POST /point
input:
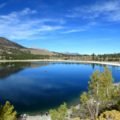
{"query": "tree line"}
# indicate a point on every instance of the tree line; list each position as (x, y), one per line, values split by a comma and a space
(16, 54)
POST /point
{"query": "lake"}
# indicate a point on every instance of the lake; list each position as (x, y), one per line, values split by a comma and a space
(36, 87)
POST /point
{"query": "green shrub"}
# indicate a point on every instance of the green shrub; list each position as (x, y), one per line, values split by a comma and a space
(7, 112)
(60, 113)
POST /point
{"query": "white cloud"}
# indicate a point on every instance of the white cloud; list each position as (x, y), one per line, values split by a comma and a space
(27, 11)
(105, 7)
(21, 26)
(108, 10)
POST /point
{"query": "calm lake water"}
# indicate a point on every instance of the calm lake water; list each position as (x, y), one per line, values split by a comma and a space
(38, 86)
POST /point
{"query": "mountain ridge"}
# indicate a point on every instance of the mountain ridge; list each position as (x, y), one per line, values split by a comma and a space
(8, 45)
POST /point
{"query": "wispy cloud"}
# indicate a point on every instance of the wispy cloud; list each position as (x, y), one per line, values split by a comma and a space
(74, 30)
(2, 5)
(28, 25)
(21, 25)
(80, 29)
(108, 10)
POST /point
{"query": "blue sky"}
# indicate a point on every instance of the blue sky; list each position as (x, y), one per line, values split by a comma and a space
(77, 26)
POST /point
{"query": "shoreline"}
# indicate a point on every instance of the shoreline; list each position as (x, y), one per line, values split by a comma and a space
(41, 117)
(68, 61)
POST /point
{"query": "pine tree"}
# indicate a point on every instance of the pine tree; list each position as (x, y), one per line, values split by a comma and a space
(99, 92)
(107, 81)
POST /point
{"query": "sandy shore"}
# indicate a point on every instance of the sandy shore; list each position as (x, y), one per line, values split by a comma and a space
(73, 61)
(36, 117)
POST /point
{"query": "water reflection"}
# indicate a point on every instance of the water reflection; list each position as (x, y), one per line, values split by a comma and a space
(38, 86)
(7, 69)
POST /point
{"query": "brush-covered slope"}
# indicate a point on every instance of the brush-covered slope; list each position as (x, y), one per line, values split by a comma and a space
(12, 50)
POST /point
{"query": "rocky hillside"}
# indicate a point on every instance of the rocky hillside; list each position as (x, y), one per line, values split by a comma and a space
(12, 50)
(9, 44)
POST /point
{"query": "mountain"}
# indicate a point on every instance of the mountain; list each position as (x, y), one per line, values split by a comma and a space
(9, 44)
(12, 50)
